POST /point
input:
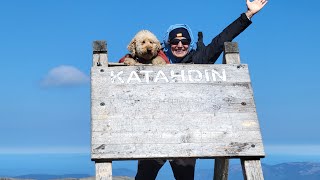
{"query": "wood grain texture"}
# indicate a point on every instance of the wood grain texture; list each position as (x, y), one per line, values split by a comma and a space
(221, 169)
(100, 57)
(103, 170)
(230, 56)
(99, 46)
(190, 111)
(252, 169)
(231, 53)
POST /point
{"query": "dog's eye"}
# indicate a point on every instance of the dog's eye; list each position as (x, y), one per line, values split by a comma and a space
(151, 42)
(143, 42)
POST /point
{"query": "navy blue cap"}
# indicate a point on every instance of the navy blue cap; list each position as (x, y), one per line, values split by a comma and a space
(179, 32)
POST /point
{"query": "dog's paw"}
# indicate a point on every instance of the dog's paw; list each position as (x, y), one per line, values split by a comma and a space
(130, 62)
(158, 61)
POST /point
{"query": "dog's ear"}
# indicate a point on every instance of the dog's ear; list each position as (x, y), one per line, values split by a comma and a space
(132, 47)
(158, 45)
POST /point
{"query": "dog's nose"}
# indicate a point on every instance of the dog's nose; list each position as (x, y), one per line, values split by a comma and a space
(148, 50)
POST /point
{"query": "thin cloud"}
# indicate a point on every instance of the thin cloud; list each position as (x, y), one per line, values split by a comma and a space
(294, 149)
(64, 76)
(45, 150)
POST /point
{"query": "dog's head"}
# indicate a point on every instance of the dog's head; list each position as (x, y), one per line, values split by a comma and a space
(144, 45)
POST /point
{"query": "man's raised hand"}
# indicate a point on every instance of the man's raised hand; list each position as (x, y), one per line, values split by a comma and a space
(254, 7)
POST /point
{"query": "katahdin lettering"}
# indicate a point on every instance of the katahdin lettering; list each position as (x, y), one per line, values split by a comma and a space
(168, 76)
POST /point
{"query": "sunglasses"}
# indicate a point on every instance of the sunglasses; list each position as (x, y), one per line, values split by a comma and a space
(183, 41)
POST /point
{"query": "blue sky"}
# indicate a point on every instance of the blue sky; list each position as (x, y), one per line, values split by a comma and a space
(42, 111)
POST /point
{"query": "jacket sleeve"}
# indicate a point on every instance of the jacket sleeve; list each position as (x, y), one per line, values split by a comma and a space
(212, 51)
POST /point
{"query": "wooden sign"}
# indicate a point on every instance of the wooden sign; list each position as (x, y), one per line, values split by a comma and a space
(173, 111)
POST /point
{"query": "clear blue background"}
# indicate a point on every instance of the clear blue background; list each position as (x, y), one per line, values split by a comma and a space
(281, 48)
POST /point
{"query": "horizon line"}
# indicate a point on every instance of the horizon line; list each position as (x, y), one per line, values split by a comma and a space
(274, 149)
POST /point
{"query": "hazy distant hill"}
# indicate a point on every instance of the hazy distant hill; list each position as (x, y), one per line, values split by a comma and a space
(47, 177)
(293, 171)
(285, 171)
(114, 178)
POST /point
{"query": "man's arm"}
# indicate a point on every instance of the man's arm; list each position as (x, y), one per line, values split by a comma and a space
(211, 53)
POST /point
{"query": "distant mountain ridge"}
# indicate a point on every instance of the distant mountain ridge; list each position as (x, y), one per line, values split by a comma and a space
(293, 171)
(48, 177)
(284, 171)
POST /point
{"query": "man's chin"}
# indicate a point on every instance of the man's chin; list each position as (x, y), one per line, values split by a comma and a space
(179, 54)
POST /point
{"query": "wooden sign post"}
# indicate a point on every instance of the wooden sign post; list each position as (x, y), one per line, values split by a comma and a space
(174, 111)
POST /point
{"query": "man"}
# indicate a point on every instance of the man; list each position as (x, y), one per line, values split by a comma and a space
(180, 47)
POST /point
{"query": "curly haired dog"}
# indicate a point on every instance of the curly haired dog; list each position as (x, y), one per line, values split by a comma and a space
(145, 48)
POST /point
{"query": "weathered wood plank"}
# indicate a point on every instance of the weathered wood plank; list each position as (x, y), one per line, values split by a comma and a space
(233, 58)
(230, 56)
(251, 169)
(171, 136)
(103, 170)
(234, 100)
(99, 47)
(221, 169)
(176, 150)
(210, 123)
(100, 57)
(231, 53)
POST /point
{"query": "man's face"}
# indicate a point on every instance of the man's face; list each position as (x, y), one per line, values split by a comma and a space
(179, 46)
